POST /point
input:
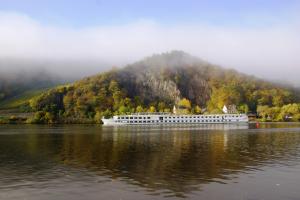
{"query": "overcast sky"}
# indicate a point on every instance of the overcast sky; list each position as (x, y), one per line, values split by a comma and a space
(259, 37)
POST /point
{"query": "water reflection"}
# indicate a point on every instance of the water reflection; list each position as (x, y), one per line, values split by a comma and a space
(167, 161)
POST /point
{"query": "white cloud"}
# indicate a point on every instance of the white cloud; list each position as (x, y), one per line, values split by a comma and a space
(270, 52)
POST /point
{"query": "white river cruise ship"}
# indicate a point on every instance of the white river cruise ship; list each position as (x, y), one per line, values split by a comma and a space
(169, 118)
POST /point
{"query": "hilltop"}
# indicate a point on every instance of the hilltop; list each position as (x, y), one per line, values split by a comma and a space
(155, 84)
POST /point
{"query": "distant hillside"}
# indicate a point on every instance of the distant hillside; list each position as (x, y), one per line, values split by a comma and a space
(156, 84)
(16, 88)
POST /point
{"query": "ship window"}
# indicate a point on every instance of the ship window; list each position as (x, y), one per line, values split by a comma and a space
(131, 117)
(161, 118)
(148, 117)
(140, 117)
(135, 117)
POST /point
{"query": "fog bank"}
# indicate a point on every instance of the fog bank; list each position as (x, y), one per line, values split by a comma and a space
(268, 52)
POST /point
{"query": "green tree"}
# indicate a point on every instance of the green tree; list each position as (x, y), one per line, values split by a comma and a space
(123, 110)
(139, 109)
(98, 117)
(225, 95)
(152, 109)
(263, 112)
(185, 103)
(161, 106)
(184, 106)
(107, 114)
(243, 108)
(197, 110)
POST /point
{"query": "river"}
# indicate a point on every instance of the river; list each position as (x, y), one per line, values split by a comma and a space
(40, 162)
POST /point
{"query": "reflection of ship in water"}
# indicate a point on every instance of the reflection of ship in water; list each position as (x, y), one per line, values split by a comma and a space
(179, 127)
(179, 161)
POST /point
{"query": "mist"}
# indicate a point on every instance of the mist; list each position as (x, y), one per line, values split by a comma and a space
(27, 45)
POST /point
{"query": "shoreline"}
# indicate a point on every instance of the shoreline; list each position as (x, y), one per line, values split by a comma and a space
(95, 123)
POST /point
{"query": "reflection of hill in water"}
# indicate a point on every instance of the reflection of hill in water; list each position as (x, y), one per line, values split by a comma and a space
(173, 159)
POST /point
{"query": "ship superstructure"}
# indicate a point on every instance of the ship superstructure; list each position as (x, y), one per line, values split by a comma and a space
(169, 118)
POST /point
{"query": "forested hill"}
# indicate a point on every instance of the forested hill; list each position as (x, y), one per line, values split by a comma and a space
(22, 85)
(156, 84)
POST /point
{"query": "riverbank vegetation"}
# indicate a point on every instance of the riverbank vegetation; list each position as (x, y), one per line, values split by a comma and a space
(289, 112)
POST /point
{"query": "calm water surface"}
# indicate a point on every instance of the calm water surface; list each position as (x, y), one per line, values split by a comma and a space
(193, 162)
